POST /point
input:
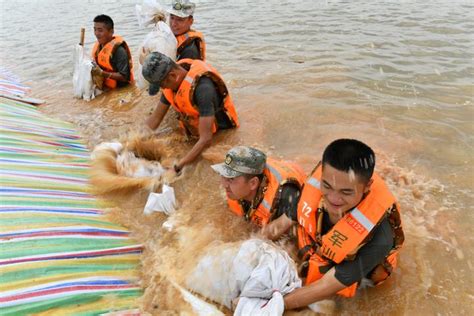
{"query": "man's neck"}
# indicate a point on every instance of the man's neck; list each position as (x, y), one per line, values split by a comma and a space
(256, 196)
(102, 45)
(251, 197)
(182, 73)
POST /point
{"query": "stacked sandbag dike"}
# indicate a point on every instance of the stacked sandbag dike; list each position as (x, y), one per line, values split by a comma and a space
(59, 254)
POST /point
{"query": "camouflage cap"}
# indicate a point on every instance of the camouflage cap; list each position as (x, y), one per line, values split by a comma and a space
(156, 67)
(241, 160)
(182, 8)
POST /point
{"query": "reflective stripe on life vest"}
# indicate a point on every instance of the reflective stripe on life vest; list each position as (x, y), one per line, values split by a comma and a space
(351, 232)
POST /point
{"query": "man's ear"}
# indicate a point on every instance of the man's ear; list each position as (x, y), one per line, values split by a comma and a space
(367, 186)
(254, 183)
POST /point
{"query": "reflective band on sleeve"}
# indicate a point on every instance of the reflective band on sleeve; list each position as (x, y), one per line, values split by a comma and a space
(362, 219)
(189, 79)
(275, 173)
(314, 182)
(266, 204)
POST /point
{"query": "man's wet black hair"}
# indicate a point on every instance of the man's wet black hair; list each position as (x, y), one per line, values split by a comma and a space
(350, 154)
(107, 20)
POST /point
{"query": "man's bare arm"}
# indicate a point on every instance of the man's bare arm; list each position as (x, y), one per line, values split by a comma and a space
(327, 286)
(205, 140)
(155, 119)
(276, 228)
(114, 75)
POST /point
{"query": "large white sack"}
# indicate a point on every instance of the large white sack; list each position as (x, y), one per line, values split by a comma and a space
(129, 165)
(160, 39)
(200, 307)
(149, 13)
(83, 86)
(254, 270)
(164, 202)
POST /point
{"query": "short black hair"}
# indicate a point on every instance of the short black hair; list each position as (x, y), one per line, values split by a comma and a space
(107, 20)
(350, 154)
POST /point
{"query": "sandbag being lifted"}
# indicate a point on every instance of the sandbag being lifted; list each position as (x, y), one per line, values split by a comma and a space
(160, 39)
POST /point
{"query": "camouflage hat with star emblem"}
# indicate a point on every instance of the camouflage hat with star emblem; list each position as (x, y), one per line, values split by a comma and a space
(241, 160)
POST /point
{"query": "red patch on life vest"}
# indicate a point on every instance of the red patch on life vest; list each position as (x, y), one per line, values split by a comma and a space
(355, 224)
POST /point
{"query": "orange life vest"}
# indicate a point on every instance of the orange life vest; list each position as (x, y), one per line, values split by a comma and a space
(277, 174)
(104, 58)
(349, 234)
(187, 38)
(183, 99)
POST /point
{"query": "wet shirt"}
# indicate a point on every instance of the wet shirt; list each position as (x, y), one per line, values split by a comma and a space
(120, 64)
(190, 51)
(367, 258)
(209, 102)
(287, 204)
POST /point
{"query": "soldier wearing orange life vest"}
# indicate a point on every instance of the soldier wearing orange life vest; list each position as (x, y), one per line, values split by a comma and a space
(199, 95)
(111, 55)
(349, 225)
(191, 43)
(258, 188)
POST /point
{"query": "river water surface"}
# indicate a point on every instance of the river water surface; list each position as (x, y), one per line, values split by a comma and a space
(397, 75)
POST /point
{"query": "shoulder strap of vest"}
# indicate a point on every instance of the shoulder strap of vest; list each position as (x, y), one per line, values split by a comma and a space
(309, 202)
(186, 38)
(198, 69)
(278, 174)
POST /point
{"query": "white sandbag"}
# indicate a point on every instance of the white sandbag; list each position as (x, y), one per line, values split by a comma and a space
(200, 307)
(160, 39)
(83, 86)
(261, 307)
(131, 166)
(256, 271)
(128, 164)
(161, 202)
(112, 146)
(149, 13)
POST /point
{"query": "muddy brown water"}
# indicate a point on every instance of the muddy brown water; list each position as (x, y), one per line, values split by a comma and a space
(397, 75)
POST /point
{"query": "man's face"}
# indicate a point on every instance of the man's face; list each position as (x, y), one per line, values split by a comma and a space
(102, 33)
(180, 25)
(342, 191)
(237, 188)
(171, 81)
